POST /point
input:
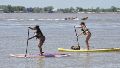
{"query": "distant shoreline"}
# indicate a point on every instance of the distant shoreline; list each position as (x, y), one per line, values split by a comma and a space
(51, 9)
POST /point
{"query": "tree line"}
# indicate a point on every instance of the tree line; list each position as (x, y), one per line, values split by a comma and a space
(50, 9)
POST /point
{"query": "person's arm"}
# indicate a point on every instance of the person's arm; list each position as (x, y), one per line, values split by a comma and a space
(31, 37)
(80, 34)
(32, 28)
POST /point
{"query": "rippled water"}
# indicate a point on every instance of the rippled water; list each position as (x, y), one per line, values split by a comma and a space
(105, 29)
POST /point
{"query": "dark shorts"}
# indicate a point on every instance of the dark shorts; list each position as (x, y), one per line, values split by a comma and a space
(42, 40)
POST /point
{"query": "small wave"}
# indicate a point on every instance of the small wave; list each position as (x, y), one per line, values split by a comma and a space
(62, 19)
(12, 19)
(36, 19)
(40, 19)
(55, 19)
(21, 19)
(31, 19)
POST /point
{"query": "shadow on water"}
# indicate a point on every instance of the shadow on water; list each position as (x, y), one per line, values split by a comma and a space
(34, 63)
(41, 63)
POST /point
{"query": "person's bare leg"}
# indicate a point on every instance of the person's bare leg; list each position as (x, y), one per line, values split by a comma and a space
(41, 51)
(87, 44)
(40, 45)
(87, 41)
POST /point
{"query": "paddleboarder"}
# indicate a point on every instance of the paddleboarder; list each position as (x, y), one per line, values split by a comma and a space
(86, 32)
(85, 18)
(39, 35)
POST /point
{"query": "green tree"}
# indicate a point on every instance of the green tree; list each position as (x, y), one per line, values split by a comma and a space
(18, 8)
(71, 10)
(59, 10)
(79, 9)
(97, 9)
(10, 9)
(38, 10)
(113, 9)
(66, 10)
(48, 9)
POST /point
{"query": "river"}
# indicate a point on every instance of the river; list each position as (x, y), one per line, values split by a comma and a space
(59, 33)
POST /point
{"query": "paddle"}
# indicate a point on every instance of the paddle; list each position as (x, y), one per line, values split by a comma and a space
(27, 43)
(76, 36)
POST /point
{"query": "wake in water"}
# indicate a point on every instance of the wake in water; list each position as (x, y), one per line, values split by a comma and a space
(15, 19)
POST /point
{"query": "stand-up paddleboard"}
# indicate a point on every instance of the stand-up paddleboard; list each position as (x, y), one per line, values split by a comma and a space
(91, 50)
(39, 56)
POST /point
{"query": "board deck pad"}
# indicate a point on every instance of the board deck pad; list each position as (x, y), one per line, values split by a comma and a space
(39, 56)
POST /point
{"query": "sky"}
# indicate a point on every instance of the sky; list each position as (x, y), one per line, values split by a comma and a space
(63, 3)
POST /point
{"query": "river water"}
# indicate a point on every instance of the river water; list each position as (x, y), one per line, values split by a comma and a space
(105, 29)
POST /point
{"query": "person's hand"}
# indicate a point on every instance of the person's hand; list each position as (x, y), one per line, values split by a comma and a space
(74, 26)
(78, 35)
(28, 39)
(29, 27)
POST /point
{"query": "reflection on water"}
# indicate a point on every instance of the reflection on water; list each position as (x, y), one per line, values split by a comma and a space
(33, 63)
(41, 63)
(88, 59)
(59, 33)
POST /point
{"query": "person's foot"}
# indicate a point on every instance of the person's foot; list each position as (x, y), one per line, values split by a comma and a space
(88, 48)
(42, 54)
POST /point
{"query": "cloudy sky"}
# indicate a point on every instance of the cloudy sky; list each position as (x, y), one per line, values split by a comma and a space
(63, 3)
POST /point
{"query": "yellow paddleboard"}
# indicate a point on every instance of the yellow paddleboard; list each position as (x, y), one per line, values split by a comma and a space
(91, 50)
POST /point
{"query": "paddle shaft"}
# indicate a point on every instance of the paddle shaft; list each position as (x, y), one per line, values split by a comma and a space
(76, 36)
(27, 43)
